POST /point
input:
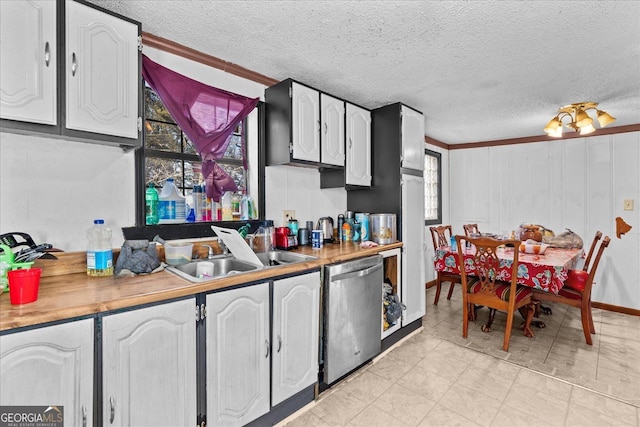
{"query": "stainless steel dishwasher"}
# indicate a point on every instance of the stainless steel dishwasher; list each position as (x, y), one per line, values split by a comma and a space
(352, 315)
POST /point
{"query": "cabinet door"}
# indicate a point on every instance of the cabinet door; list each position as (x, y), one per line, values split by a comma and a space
(50, 366)
(412, 139)
(413, 291)
(331, 130)
(238, 354)
(28, 61)
(149, 366)
(102, 75)
(305, 123)
(296, 311)
(358, 161)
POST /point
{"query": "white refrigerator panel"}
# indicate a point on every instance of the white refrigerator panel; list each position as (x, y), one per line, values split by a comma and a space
(413, 271)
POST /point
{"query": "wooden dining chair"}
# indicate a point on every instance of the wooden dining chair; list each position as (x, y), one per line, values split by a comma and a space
(576, 291)
(470, 229)
(587, 260)
(441, 236)
(484, 284)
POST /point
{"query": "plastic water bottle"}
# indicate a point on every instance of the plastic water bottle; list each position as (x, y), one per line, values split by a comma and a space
(99, 250)
(172, 206)
(151, 201)
(227, 210)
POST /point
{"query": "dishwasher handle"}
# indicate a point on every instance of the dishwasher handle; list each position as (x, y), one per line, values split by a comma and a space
(356, 273)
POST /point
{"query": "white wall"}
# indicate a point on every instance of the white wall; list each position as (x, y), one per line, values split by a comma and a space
(53, 189)
(577, 183)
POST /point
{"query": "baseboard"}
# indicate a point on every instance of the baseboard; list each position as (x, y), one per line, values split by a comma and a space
(600, 305)
(616, 308)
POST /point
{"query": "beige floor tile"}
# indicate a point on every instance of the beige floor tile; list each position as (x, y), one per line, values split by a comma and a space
(606, 406)
(427, 384)
(440, 416)
(338, 409)
(404, 404)
(372, 416)
(509, 416)
(445, 365)
(366, 387)
(587, 417)
(472, 403)
(411, 353)
(487, 380)
(390, 367)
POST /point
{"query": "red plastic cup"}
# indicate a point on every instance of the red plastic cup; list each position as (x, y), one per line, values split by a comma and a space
(23, 285)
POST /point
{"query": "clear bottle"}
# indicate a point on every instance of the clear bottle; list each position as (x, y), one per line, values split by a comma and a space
(99, 250)
(227, 212)
(245, 211)
(197, 202)
(172, 206)
(236, 198)
(151, 203)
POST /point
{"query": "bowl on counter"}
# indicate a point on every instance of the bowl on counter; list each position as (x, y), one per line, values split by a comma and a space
(533, 247)
(178, 253)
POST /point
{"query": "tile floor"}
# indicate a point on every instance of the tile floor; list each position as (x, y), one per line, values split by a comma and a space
(437, 378)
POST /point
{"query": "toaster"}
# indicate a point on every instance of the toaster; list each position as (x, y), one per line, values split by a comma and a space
(285, 239)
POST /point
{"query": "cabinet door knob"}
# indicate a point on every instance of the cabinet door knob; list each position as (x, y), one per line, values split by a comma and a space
(47, 54)
(74, 64)
(279, 343)
(266, 342)
(112, 411)
(84, 416)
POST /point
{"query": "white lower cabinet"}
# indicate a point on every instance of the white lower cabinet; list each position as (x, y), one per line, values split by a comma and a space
(50, 366)
(296, 308)
(238, 351)
(249, 369)
(149, 366)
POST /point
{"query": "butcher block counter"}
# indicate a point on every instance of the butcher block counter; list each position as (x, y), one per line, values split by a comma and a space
(67, 292)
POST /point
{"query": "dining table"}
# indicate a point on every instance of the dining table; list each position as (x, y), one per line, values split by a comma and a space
(547, 272)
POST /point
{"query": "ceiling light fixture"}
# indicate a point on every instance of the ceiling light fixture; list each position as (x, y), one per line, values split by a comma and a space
(580, 120)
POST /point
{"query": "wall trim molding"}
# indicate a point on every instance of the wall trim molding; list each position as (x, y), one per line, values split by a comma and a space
(186, 52)
(615, 308)
(529, 139)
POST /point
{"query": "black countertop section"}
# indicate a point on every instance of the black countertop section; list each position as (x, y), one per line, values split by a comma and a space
(183, 231)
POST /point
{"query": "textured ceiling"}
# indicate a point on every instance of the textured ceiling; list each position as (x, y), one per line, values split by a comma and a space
(478, 70)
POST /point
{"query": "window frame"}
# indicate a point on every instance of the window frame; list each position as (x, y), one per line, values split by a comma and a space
(197, 229)
(438, 156)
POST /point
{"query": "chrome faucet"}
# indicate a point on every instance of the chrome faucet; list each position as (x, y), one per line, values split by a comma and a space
(210, 253)
(225, 249)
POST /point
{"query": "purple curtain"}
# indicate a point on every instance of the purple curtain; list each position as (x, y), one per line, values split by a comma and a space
(207, 116)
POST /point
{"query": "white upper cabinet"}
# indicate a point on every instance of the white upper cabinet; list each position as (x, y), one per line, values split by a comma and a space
(306, 117)
(331, 130)
(28, 50)
(358, 142)
(412, 139)
(101, 71)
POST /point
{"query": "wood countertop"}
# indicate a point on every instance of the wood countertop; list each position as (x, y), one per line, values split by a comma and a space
(67, 292)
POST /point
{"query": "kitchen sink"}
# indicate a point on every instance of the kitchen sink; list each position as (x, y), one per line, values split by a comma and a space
(276, 257)
(222, 267)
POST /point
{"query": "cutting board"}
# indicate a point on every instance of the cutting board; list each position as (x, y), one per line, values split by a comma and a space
(237, 245)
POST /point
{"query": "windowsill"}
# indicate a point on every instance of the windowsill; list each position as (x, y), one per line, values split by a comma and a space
(192, 230)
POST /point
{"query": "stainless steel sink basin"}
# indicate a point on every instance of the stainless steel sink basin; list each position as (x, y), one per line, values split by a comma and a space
(276, 257)
(221, 267)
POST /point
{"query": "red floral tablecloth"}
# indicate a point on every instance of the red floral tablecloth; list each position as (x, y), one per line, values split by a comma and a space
(547, 272)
